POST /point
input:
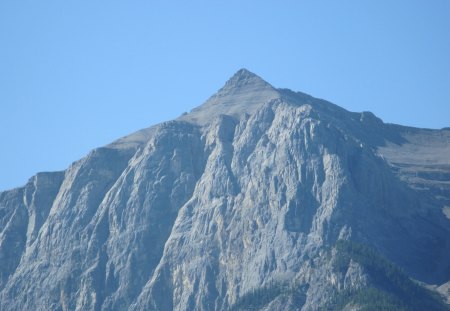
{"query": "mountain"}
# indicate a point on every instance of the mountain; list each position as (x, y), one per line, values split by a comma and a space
(259, 199)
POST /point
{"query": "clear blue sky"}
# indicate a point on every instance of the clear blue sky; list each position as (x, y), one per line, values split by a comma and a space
(75, 75)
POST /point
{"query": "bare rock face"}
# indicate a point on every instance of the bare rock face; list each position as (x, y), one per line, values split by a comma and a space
(261, 199)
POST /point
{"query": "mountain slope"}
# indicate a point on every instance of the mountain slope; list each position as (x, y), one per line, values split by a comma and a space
(253, 190)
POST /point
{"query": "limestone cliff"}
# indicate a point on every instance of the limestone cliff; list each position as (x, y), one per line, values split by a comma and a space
(259, 191)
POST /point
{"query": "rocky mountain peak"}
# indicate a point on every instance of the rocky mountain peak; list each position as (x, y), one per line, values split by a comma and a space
(243, 93)
(244, 77)
(260, 199)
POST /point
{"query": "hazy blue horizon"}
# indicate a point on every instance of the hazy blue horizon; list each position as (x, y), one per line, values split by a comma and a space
(78, 75)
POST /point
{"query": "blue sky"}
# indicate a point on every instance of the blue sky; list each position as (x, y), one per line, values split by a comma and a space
(75, 75)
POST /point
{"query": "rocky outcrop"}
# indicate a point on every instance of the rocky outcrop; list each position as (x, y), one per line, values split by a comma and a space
(245, 198)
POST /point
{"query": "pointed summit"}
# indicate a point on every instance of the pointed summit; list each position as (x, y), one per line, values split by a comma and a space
(244, 77)
(244, 72)
(243, 93)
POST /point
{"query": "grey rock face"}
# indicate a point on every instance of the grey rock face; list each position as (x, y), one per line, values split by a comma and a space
(246, 192)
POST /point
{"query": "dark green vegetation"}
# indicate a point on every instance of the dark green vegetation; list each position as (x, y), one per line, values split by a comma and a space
(391, 288)
(259, 298)
(367, 299)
